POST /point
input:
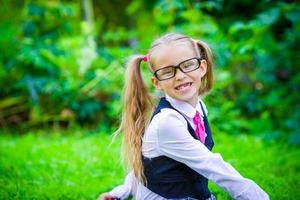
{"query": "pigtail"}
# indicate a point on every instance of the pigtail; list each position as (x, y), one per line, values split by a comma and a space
(205, 53)
(137, 107)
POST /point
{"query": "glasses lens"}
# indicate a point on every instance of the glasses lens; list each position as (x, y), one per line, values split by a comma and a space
(189, 65)
(165, 73)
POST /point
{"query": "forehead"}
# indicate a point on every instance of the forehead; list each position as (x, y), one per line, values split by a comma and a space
(171, 54)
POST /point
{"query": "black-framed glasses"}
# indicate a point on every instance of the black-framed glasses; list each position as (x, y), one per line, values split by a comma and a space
(170, 71)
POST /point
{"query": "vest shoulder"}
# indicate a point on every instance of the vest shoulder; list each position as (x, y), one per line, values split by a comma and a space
(168, 115)
(204, 106)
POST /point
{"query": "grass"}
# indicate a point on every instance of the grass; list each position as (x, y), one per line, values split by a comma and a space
(41, 165)
(56, 166)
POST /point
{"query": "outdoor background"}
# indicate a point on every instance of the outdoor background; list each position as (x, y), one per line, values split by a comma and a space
(62, 67)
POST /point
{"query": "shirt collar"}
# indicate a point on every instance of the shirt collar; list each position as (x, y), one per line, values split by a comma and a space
(184, 107)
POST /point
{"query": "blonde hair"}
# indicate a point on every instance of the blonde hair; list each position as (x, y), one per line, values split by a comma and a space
(138, 102)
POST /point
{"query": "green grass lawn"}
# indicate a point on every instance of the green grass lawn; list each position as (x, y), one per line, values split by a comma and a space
(56, 165)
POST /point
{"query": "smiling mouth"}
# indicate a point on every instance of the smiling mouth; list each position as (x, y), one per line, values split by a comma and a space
(183, 86)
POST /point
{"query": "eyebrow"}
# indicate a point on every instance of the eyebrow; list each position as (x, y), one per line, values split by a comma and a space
(177, 63)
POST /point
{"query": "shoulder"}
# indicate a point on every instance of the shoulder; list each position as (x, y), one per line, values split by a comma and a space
(172, 128)
(169, 118)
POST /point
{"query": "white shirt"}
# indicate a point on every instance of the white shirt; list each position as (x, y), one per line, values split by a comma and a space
(179, 145)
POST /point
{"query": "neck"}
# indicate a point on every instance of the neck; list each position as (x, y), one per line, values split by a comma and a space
(193, 101)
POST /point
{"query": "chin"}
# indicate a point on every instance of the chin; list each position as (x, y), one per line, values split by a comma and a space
(188, 95)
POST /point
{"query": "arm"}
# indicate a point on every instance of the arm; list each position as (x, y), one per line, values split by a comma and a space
(122, 191)
(106, 196)
(175, 141)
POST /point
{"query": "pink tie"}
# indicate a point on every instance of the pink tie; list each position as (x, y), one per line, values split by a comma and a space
(200, 129)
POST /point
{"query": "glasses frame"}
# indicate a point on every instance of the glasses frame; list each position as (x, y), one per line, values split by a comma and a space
(178, 67)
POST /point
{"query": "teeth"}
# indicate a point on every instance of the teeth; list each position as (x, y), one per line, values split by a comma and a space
(183, 86)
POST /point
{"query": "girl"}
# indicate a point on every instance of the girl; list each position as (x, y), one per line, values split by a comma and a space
(169, 150)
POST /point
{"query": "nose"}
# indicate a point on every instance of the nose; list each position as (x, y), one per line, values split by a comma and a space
(179, 74)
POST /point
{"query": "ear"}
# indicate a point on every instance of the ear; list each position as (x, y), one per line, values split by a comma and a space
(156, 83)
(203, 67)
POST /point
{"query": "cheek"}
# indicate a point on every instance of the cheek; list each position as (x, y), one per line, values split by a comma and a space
(200, 73)
(166, 85)
(197, 75)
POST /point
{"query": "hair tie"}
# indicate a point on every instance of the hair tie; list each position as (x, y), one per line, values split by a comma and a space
(145, 58)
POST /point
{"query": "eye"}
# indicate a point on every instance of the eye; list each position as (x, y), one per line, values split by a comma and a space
(190, 64)
(167, 71)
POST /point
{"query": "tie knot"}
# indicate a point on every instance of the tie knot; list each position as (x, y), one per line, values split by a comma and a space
(197, 118)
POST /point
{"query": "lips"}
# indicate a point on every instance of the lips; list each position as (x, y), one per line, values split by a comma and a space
(183, 86)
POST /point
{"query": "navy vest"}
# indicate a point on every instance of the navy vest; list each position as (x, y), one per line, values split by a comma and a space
(172, 179)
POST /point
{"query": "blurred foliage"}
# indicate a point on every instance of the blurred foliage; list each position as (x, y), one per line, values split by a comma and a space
(57, 67)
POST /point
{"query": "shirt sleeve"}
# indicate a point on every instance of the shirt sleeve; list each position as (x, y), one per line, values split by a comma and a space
(174, 141)
(128, 188)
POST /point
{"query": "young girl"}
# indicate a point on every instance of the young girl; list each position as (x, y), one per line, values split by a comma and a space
(168, 150)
